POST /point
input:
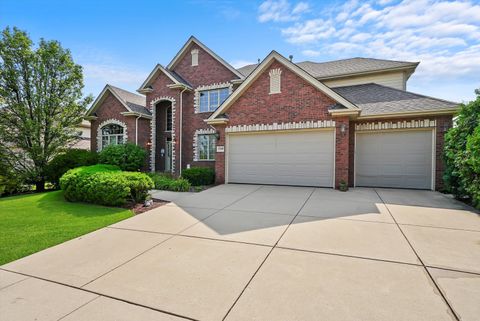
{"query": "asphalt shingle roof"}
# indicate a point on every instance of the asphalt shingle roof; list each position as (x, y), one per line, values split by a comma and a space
(341, 67)
(374, 99)
(135, 102)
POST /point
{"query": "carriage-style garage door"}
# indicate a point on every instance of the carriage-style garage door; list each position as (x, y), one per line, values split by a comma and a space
(400, 159)
(303, 158)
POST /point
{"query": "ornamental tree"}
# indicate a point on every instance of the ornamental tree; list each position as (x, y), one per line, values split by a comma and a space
(40, 103)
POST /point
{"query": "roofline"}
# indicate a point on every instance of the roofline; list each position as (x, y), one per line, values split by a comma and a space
(412, 114)
(412, 66)
(294, 68)
(182, 50)
(136, 113)
(153, 72)
(100, 97)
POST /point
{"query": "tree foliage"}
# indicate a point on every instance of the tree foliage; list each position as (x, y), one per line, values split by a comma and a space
(462, 153)
(40, 102)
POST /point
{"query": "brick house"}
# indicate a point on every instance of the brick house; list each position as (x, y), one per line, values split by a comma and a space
(280, 122)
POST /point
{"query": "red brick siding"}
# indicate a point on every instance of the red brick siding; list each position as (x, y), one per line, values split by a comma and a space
(341, 150)
(220, 157)
(208, 71)
(111, 108)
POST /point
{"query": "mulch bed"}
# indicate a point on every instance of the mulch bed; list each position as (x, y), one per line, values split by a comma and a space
(139, 208)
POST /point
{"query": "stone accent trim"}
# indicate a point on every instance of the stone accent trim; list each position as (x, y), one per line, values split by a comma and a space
(424, 123)
(208, 131)
(108, 122)
(154, 131)
(275, 80)
(283, 126)
(196, 96)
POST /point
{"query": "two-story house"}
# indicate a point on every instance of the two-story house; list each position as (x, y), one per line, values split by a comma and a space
(280, 122)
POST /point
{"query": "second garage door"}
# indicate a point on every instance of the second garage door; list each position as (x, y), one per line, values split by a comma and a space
(394, 159)
(291, 158)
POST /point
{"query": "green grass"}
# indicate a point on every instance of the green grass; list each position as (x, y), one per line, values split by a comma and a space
(30, 223)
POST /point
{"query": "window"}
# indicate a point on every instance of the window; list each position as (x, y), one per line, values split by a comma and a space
(211, 99)
(194, 53)
(206, 147)
(112, 134)
(168, 117)
(275, 80)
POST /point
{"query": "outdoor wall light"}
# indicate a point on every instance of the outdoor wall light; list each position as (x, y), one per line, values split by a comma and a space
(217, 135)
(343, 128)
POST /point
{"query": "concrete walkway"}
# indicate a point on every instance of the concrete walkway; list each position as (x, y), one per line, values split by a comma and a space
(249, 252)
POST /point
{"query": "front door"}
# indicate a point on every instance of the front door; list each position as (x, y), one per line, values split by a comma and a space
(168, 156)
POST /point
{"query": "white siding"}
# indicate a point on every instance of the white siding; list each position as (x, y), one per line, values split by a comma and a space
(392, 79)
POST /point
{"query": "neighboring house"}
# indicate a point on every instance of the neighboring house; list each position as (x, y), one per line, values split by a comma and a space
(279, 122)
(84, 141)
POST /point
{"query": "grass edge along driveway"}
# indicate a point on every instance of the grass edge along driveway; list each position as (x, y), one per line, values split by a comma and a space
(31, 223)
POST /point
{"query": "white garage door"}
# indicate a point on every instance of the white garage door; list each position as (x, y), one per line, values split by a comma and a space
(394, 159)
(302, 158)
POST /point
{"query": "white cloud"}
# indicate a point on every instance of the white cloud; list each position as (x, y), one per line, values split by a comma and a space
(443, 35)
(241, 63)
(281, 11)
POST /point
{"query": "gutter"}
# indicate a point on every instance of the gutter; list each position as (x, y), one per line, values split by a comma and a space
(136, 129)
(181, 129)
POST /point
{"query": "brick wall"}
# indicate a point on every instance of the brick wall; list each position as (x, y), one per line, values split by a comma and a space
(341, 150)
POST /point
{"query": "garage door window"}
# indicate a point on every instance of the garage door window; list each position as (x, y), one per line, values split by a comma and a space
(206, 147)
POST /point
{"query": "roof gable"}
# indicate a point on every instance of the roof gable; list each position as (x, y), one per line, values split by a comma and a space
(133, 103)
(183, 51)
(174, 77)
(292, 67)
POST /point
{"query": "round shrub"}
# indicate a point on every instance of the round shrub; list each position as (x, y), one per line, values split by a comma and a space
(199, 175)
(129, 157)
(71, 158)
(168, 183)
(105, 184)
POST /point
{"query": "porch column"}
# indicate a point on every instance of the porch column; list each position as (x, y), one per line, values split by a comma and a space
(341, 150)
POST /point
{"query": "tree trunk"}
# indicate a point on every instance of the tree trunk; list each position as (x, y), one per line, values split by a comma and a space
(40, 186)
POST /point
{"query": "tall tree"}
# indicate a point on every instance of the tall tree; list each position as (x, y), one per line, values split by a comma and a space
(40, 102)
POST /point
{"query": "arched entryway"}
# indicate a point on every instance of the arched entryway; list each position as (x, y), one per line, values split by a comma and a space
(163, 158)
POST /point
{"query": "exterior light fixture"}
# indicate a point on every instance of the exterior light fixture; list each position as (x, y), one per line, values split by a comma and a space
(217, 135)
(343, 128)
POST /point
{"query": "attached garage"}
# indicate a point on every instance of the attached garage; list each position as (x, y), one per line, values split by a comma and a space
(302, 158)
(400, 159)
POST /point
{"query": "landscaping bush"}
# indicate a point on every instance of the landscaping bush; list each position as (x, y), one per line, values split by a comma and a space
(199, 175)
(129, 157)
(462, 154)
(168, 183)
(105, 184)
(69, 159)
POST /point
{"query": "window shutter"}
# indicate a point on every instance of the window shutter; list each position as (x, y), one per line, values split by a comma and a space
(275, 80)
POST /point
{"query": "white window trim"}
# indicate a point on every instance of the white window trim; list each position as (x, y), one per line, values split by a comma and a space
(196, 153)
(196, 98)
(275, 75)
(108, 122)
(153, 126)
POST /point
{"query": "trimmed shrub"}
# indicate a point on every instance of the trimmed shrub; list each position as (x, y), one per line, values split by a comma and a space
(199, 175)
(69, 159)
(167, 183)
(129, 157)
(105, 185)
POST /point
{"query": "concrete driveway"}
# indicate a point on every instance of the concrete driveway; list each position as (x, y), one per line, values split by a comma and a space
(249, 252)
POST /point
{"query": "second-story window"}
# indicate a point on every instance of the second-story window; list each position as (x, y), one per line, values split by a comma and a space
(168, 118)
(211, 99)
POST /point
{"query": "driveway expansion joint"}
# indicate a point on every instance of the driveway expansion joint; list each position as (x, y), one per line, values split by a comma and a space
(454, 313)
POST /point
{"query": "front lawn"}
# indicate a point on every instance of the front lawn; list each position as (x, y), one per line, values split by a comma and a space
(30, 223)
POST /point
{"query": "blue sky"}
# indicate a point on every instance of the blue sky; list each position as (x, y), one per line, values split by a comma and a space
(119, 42)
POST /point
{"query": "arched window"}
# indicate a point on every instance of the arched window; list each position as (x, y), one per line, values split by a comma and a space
(112, 134)
(168, 118)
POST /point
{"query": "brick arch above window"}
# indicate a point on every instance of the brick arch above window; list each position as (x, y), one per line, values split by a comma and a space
(109, 122)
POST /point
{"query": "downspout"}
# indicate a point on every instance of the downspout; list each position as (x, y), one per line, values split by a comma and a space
(181, 130)
(136, 129)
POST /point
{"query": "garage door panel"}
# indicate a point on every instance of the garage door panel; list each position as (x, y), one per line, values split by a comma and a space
(282, 158)
(394, 159)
